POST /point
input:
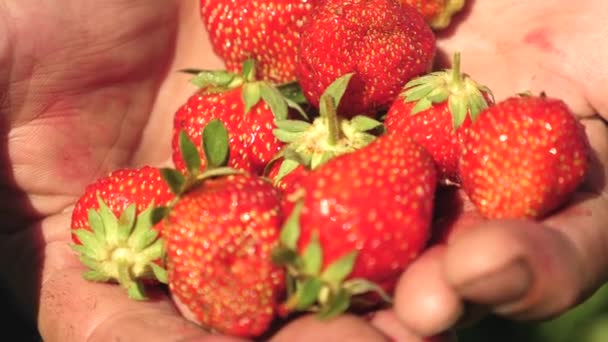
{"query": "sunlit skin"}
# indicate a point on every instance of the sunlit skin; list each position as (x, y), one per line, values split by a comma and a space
(89, 87)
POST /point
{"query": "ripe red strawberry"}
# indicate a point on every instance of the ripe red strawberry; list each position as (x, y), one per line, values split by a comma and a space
(266, 30)
(113, 230)
(523, 157)
(219, 234)
(247, 107)
(436, 109)
(438, 13)
(384, 43)
(365, 216)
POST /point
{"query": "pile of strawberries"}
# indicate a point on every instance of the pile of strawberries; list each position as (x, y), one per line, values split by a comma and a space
(308, 174)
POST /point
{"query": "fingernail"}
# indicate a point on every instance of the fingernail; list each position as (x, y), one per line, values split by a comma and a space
(502, 286)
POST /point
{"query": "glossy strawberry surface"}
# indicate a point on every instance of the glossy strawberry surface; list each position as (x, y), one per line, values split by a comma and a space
(524, 157)
(377, 201)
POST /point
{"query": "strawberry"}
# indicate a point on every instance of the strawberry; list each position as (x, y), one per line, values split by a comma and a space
(364, 217)
(265, 30)
(436, 109)
(523, 157)
(310, 145)
(383, 43)
(438, 13)
(247, 107)
(219, 234)
(113, 231)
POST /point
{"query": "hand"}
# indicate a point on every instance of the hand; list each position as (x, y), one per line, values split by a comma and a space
(521, 269)
(91, 88)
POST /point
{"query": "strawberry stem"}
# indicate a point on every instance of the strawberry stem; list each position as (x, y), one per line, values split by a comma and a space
(456, 75)
(328, 111)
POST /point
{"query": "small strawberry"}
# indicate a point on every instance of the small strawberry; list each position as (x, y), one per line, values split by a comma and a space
(523, 157)
(364, 217)
(438, 13)
(265, 30)
(113, 231)
(219, 233)
(247, 107)
(382, 42)
(435, 110)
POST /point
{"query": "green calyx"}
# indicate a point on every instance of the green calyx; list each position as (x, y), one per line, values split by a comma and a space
(463, 94)
(123, 249)
(216, 148)
(328, 136)
(310, 287)
(278, 97)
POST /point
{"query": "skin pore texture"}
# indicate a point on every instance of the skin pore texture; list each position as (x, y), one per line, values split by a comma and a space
(87, 87)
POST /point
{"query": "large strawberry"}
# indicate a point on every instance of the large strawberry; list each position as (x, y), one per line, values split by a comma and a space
(219, 234)
(438, 13)
(247, 107)
(365, 216)
(523, 157)
(113, 229)
(436, 109)
(266, 30)
(382, 42)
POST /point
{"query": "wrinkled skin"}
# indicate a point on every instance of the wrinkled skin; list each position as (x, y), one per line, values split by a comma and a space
(87, 87)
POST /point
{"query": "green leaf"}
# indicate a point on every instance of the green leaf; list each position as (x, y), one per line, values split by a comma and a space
(426, 79)
(215, 78)
(143, 224)
(308, 292)
(159, 273)
(290, 233)
(338, 304)
(312, 256)
(293, 105)
(136, 291)
(126, 222)
(96, 224)
(274, 99)
(422, 105)
(337, 88)
(319, 159)
(477, 103)
(285, 136)
(292, 125)
(338, 270)
(438, 95)
(148, 237)
(458, 108)
(361, 286)
(418, 92)
(364, 123)
(287, 166)
(82, 250)
(110, 222)
(216, 143)
(190, 154)
(91, 262)
(251, 95)
(248, 69)
(95, 276)
(174, 179)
